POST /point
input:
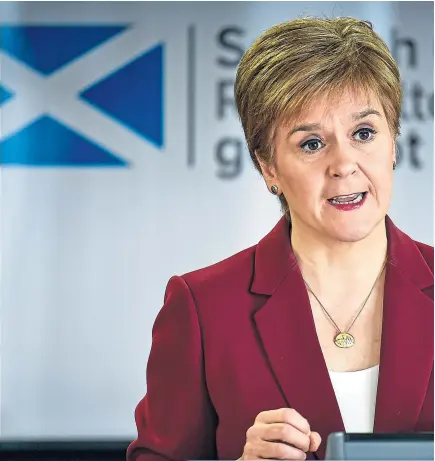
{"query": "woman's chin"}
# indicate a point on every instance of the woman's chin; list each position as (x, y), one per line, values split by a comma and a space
(350, 235)
(347, 230)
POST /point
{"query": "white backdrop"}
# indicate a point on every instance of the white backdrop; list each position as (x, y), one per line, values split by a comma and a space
(87, 250)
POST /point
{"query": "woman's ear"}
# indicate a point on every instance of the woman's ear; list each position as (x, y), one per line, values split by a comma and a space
(269, 173)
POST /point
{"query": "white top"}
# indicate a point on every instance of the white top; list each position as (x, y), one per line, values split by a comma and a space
(356, 396)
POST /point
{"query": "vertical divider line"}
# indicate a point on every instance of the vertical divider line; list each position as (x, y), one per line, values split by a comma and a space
(191, 82)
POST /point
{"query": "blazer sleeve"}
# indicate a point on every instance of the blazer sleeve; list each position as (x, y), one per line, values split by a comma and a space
(175, 420)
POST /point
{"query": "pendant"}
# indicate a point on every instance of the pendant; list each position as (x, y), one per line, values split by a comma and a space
(344, 340)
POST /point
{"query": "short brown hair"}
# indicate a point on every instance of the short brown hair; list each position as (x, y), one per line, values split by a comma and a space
(296, 61)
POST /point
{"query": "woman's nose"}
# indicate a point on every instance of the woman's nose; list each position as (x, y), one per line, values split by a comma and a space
(343, 163)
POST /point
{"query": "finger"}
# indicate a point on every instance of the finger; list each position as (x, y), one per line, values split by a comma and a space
(315, 441)
(276, 450)
(285, 415)
(283, 432)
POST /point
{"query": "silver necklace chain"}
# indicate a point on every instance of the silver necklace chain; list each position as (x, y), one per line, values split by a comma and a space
(360, 310)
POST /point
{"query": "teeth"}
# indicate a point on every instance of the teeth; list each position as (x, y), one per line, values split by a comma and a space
(355, 200)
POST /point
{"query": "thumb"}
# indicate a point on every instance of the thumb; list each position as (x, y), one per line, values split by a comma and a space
(315, 441)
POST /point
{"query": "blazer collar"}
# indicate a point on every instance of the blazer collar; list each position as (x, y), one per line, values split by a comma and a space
(287, 334)
(274, 258)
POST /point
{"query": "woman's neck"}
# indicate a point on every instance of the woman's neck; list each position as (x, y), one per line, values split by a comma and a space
(324, 259)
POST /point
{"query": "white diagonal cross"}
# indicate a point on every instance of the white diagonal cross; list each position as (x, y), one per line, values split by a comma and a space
(57, 94)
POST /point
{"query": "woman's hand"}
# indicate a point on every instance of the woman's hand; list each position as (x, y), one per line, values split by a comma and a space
(280, 434)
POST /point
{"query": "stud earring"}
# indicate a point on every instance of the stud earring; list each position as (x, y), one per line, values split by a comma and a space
(274, 190)
(394, 165)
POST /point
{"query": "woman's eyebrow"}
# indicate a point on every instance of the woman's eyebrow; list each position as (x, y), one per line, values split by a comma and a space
(308, 127)
(365, 113)
(317, 126)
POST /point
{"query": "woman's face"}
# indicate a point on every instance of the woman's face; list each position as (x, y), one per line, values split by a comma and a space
(335, 167)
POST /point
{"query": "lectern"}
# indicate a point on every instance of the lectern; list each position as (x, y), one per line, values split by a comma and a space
(379, 447)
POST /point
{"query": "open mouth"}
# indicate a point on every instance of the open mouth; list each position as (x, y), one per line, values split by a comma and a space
(347, 199)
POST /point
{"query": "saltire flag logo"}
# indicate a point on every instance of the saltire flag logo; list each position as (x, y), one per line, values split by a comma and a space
(55, 113)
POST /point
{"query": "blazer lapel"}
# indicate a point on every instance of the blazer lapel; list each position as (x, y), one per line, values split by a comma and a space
(287, 332)
(288, 336)
(407, 336)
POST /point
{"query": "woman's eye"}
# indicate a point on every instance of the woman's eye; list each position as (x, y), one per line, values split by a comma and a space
(361, 135)
(364, 134)
(312, 145)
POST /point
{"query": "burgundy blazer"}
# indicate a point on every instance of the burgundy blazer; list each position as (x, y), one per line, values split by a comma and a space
(238, 338)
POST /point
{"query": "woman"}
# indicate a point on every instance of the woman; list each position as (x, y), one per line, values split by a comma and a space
(327, 323)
